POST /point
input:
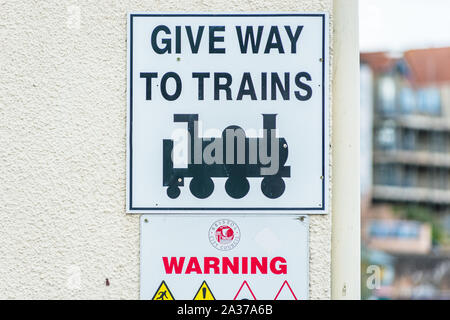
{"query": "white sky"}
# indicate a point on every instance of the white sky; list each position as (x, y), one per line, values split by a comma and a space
(398, 25)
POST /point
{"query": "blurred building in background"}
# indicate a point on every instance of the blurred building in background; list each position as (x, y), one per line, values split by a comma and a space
(405, 169)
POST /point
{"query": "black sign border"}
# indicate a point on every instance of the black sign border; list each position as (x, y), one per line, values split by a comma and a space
(130, 133)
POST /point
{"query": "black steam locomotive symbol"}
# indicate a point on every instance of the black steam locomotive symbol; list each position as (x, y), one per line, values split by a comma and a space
(237, 185)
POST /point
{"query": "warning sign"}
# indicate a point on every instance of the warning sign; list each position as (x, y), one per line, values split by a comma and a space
(163, 293)
(285, 292)
(204, 293)
(224, 258)
(245, 293)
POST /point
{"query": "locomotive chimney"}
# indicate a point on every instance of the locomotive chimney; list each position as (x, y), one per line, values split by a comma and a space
(269, 121)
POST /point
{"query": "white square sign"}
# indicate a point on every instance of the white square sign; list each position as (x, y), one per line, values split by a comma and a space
(227, 112)
(224, 258)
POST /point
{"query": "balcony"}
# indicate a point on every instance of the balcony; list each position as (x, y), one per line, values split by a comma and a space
(417, 158)
(420, 122)
(411, 194)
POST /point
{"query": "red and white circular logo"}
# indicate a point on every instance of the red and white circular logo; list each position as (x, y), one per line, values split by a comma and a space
(224, 234)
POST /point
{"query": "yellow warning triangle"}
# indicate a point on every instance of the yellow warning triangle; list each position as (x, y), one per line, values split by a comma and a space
(163, 293)
(204, 293)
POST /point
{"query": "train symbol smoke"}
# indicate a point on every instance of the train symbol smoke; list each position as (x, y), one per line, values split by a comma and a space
(237, 171)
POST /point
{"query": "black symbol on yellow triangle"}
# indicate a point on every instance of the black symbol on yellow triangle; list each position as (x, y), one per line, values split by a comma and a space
(163, 293)
(204, 293)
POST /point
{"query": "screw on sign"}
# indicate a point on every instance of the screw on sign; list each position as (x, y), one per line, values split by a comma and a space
(238, 165)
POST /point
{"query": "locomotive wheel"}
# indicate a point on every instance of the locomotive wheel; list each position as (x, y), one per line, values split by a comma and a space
(272, 187)
(201, 187)
(173, 192)
(237, 187)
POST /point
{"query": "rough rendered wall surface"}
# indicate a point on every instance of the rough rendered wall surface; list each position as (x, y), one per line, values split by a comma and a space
(63, 227)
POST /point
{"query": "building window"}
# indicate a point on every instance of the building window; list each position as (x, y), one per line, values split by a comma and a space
(429, 101)
(386, 93)
(439, 178)
(409, 176)
(408, 139)
(422, 140)
(386, 174)
(407, 100)
(385, 137)
(438, 142)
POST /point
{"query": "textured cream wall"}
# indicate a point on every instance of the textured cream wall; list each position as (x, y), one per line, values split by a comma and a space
(63, 227)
